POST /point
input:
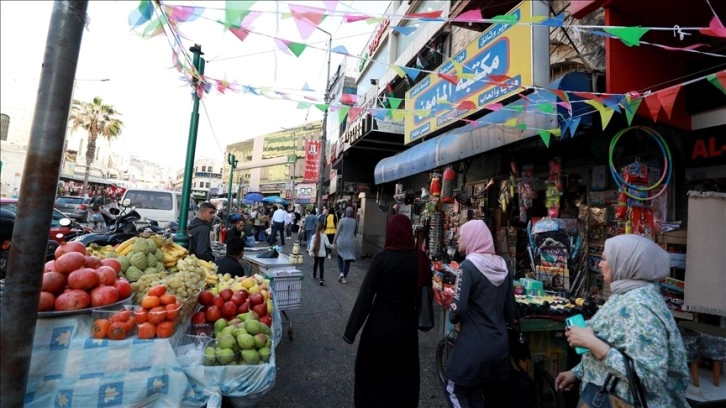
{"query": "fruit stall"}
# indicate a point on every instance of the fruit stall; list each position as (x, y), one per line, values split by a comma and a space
(145, 323)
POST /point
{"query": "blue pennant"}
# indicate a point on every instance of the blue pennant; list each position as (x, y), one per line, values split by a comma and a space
(574, 123)
(412, 73)
(556, 21)
(340, 49)
(403, 29)
(612, 102)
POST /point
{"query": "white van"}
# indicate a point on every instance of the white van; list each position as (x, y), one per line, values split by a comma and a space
(159, 205)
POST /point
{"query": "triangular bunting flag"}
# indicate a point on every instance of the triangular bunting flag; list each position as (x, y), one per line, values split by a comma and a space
(574, 123)
(282, 45)
(398, 70)
(352, 18)
(354, 112)
(516, 108)
(715, 29)
(153, 29)
(522, 126)
(235, 12)
(605, 113)
(470, 16)
(296, 48)
(348, 99)
(612, 102)
(504, 19)
(545, 135)
(422, 113)
(654, 105)
(304, 105)
(374, 20)
(545, 107)
(181, 14)
(404, 30)
(564, 125)
(565, 105)
(240, 33)
(342, 113)
(718, 82)
(141, 14)
(307, 87)
(398, 115)
(495, 107)
(307, 18)
(459, 69)
(466, 105)
(412, 73)
(340, 49)
(560, 94)
(330, 5)
(449, 78)
(426, 15)
(632, 109)
(630, 36)
(395, 102)
(322, 106)
(379, 114)
(556, 21)
(667, 98)
(511, 122)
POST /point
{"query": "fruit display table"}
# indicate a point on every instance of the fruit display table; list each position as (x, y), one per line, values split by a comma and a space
(264, 265)
(71, 369)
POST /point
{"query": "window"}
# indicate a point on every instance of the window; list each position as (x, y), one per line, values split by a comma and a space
(152, 200)
(209, 184)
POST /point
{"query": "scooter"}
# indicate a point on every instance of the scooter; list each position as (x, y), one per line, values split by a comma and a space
(120, 230)
(7, 220)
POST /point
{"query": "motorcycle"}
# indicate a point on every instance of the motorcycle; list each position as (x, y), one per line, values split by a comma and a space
(7, 220)
(119, 230)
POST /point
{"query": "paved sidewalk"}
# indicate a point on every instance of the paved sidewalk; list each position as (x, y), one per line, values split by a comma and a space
(315, 369)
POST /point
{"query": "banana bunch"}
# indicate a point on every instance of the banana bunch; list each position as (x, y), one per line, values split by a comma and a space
(101, 252)
(173, 253)
(210, 271)
(125, 247)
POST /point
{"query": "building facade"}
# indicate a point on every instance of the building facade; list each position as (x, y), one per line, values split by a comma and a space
(206, 179)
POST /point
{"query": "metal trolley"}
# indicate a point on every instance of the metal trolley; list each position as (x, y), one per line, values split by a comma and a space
(287, 291)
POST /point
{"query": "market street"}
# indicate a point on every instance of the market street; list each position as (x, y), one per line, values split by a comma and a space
(316, 368)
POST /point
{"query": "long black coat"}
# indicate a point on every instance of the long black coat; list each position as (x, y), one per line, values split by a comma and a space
(387, 364)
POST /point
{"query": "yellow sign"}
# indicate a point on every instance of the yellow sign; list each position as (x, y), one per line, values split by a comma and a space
(503, 49)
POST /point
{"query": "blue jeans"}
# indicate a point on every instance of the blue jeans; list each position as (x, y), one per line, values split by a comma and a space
(250, 242)
(344, 266)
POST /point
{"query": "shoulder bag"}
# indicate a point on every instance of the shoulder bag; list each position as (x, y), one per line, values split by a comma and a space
(603, 396)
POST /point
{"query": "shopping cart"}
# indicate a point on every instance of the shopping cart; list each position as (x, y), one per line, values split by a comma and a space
(286, 287)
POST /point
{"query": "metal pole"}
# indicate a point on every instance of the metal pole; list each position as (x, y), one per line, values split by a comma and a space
(37, 194)
(181, 237)
(232, 165)
(324, 136)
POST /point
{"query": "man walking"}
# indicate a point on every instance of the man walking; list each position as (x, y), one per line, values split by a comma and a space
(278, 225)
(311, 221)
(199, 230)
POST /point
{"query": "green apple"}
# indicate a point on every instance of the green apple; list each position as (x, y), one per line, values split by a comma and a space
(209, 355)
(219, 325)
(250, 356)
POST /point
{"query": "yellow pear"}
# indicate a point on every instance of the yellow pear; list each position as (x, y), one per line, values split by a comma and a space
(269, 307)
(264, 293)
(254, 289)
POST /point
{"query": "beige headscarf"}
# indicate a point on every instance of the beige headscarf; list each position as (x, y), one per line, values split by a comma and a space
(635, 261)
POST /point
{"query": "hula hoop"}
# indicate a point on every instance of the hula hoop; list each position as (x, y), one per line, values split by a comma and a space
(667, 159)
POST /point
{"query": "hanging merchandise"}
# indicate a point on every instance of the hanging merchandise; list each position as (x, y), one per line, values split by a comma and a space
(554, 188)
(435, 187)
(527, 192)
(447, 188)
(436, 232)
(505, 196)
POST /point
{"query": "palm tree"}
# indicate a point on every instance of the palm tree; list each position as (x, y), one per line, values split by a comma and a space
(97, 119)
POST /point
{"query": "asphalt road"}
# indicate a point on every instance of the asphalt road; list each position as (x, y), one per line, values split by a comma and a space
(315, 369)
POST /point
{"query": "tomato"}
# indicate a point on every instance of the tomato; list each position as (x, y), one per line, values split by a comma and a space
(100, 328)
(167, 299)
(172, 311)
(165, 329)
(146, 331)
(130, 325)
(157, 290)
(157, 315)
(122, 316)
(141, 315)
(150, 302)
(117, 331)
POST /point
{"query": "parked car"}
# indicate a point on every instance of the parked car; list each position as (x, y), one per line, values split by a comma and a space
(75, 208)
(160, 205)
(57, 231)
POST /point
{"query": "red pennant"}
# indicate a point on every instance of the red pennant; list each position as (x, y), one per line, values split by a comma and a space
(653, 105)
(429, 14)
(240, 33)
(500, 79)
(466, 105)
(449, 78)
(721, 76)
(353, 113)
(560, 94)
(667, 98)
(715, 28)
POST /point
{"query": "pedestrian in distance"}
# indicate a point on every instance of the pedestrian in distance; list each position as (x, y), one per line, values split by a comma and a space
(344, 243)
(310, 224)
(199, 230)
(477, 370)
(278, 225)
(634, 321)
(229, 263)
(236, 227)
(320, 243)
(331, 225)
(387, 372)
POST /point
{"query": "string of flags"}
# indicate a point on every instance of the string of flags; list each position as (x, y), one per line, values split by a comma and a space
(239, 16)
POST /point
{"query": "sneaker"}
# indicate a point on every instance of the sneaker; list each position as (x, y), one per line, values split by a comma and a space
(313, 275)
(330, 257)
(340, 278)
(321, 282)
(344, 281)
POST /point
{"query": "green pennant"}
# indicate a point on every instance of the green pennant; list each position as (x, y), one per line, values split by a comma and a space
(395, 102)
(322, 106)
(522, 127)
(545, 107)
(716, 82)
(518, 108)
(545, 135)
(304, 105)
(297, 48)
(633, 107)
(630, 36)
(235, 12)
(342, 113)
(504, 19)
(151, 28)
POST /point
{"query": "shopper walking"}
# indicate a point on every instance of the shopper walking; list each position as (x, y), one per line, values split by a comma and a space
(387, 372)
(634, 320)
(310, 226)
(278, 225)
(344, 243)
(478, 366)
(320, 243)
(331, 224)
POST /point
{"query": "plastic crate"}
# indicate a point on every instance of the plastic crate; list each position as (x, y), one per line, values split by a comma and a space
(287, 288)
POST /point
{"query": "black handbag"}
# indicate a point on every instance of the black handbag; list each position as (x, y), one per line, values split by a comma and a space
(603, 396)
(272, 253)
(425, 309)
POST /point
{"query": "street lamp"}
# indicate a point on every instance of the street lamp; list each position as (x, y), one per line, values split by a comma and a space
(324, 136)
(233, 162)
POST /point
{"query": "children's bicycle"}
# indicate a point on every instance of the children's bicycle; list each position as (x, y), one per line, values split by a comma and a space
(543, 384)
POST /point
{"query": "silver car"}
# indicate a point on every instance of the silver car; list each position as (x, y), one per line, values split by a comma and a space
(74, 207)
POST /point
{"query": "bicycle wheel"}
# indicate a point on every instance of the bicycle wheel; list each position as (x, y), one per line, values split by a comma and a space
(442, 356)
(546, 394)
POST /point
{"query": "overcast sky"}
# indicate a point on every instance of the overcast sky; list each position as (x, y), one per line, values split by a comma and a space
(155, 103)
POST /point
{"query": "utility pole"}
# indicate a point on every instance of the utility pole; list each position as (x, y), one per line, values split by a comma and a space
(37, 194)
(324, 136)
(232, 160)
(181, 237)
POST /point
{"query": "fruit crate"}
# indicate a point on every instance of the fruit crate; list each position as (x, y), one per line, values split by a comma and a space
(286, 288)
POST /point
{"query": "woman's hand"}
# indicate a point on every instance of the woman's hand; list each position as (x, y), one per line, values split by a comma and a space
(565, 381)
(585, 337)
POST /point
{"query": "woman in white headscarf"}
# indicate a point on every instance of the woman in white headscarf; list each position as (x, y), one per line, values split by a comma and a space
(634, 320)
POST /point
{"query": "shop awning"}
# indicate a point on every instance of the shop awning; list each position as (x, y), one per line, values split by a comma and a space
(459, 144)
(91, 179)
